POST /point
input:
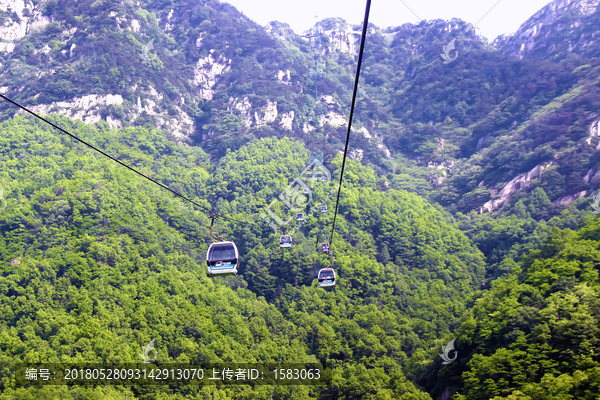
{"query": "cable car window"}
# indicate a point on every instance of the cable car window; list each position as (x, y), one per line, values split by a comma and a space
(222, 253)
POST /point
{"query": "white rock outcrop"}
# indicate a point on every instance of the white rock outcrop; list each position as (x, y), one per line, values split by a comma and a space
(267, 114)
(333, 119)
(306, 128)
(29, 20)
(357, 154)
(82, 108)
(530, 34)
(568, 199)
(342, 36)
(284, 77)
(287, 119)
(135, 25)
(243, 108)
(594, 131)
(206, 72)
(520, 182)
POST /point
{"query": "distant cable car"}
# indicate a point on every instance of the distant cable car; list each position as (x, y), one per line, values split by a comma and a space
(222, 259)
(285, 241)
(326, 277)
(325, 248)
(323, 209)
(299, 217)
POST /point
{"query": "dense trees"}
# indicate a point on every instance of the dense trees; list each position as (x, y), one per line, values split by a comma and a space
(460, 131)
(533, 333)
(98, 262)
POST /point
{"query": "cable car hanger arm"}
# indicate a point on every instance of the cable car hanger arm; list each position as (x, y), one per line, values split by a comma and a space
(214, 216)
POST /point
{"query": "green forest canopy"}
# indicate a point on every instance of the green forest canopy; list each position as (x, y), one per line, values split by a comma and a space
(97, 262)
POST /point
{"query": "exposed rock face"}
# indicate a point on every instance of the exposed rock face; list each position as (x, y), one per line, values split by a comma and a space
(284, 77)
(306, 128)
(135, 25)
(364, 132)
(441, 170)
(206, 72)
(267, 114)
(243, 108)
(280, 30)
(333, 119)
(169, 24)
(340, 34)
(564, 200)
(87, 109)
(594, 131)
(520, 182)
(357, 154)
(262, 116)
(287, 120)
(82, 108)
(28, 19)
(535, 37)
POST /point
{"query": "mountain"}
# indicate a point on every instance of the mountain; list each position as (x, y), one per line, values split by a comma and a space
(207, 75)
(464, 217)
(560, 30)
(97, 262)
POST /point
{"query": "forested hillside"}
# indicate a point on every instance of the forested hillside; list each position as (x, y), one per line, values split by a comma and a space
(465, 212)
(502, 119)
(98, 262)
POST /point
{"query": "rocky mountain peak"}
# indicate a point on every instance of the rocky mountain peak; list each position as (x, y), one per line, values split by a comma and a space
(280, 30)
(335, 35)
(558, 30)
(17, 19)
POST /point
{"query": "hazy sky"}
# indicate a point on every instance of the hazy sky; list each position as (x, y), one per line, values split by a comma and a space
(504, 17)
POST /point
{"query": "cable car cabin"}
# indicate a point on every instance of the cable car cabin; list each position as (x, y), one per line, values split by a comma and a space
(325, 248)
(323, 209)
(300, 217)
(326, 277)
(285, 241)
(222, 258)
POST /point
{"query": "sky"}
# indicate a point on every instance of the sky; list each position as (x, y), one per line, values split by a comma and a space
(494, 17)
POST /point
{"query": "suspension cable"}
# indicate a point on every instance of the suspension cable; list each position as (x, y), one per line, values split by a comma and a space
(358, 65)
(360, 54)
(212, 213)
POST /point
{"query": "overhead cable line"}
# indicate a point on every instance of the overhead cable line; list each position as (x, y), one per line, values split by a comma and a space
(360, 55)
(211, 212)
(358, 65)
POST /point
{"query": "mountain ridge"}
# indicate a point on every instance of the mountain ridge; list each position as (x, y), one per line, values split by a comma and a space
(207, 75)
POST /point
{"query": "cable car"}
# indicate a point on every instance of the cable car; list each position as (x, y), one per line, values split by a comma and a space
(323, 209)
(326, 277)
(325, 248)
(285, 241)
(222, 258)
(299, 217)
